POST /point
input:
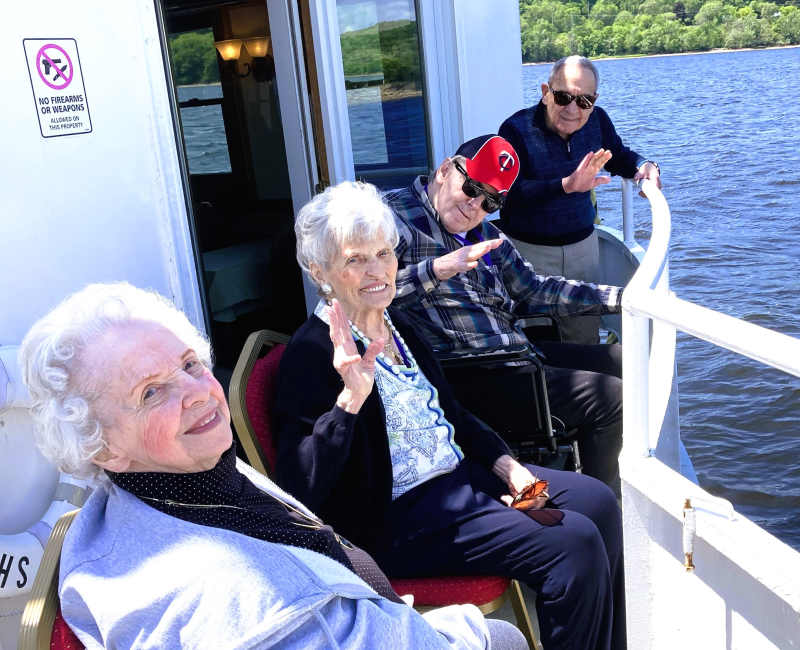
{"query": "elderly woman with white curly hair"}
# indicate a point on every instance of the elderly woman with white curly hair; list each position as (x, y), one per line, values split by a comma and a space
(371, 437)
(180, 544)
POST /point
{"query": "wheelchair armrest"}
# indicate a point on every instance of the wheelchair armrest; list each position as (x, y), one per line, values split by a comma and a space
(487, 357)
(534, 320)
(539, 327)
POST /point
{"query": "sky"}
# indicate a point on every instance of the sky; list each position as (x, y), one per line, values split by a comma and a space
(358, 14)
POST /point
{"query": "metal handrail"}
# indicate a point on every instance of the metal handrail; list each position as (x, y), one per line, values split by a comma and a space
(760, 343)
(628, 229)
(646, 297)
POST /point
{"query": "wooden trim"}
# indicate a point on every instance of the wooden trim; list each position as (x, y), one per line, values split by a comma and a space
(317, 127)
(494, 605)
(257, 343)
(36, 626)
(521, 614)
(327, 53)
(486, 608)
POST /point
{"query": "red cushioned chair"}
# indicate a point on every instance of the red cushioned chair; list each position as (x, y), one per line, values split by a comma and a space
(42, 626)
(251, 394)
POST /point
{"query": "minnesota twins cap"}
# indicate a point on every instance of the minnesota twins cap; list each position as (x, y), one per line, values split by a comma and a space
(491, 160)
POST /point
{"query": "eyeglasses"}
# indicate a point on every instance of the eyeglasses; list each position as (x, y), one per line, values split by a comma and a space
(490, 203)
(563, 98)
(526, 500)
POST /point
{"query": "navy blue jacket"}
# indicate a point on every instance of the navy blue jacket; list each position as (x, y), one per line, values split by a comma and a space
(537, 209)
(338, 463)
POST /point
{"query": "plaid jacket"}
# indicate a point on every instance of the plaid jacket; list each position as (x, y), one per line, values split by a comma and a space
(476, 309)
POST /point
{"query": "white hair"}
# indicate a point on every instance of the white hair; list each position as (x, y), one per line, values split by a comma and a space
(68, 431)
(573, 59)
(342, 214)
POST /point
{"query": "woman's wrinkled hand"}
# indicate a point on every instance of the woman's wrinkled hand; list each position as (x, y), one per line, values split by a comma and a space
(357, 372)
(517, 477)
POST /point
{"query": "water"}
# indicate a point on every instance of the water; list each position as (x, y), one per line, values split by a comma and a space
(724, 128)
(206, 146)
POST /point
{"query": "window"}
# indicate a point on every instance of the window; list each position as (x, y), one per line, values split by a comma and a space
(242, 211)
(385, 94)
(194, 61)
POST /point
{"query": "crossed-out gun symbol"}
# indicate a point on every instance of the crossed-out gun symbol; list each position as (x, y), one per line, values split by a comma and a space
(47, 67)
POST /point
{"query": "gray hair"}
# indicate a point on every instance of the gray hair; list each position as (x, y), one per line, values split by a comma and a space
(344, 213)
(67, 428)
(574, 59)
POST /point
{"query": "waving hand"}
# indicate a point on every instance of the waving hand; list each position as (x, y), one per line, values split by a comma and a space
(585, 177)
(357, 372)
(462, 259)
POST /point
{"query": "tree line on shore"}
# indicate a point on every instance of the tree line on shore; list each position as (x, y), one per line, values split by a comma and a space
(555, 28)
(551, 29)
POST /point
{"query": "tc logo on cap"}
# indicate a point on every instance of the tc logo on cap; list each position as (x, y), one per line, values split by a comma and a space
(506, 160)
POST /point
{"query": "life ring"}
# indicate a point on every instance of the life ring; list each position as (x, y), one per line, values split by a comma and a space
(21, 554)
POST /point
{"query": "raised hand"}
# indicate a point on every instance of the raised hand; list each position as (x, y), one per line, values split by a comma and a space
(462, 260)
(357, 372)
(585, 177)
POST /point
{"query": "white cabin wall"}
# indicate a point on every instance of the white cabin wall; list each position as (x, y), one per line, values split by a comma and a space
(89, 207)
(473, 69)
(489, 63)
(99, 206)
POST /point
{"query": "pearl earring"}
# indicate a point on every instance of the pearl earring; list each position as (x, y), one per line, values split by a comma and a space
(326, 288)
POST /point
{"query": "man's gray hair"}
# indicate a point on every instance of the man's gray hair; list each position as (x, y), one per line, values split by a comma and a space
(349, 212)
(67, 428)
(574, 59)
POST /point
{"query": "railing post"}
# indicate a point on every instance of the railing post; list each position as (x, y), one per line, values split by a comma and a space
(636, 328)
(636, 382)
(628, 229)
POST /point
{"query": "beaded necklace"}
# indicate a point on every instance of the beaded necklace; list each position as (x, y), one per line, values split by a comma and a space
(407, 371)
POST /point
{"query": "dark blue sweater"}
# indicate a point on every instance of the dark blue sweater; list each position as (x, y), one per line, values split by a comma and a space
(538, 210)
(338, 463)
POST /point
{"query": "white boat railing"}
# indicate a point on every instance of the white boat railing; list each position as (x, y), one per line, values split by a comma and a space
(738, 586)
(647, 297)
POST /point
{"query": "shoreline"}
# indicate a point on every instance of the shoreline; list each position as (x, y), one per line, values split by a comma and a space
(651, 56)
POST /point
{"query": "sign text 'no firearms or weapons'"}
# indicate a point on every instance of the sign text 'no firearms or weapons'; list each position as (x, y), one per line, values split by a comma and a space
(57, 83)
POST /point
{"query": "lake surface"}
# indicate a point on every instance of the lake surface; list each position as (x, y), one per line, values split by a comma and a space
(725, 129)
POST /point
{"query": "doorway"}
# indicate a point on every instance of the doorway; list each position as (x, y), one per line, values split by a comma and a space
(222, 58)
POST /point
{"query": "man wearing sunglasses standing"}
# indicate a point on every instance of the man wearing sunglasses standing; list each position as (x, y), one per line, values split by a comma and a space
(464, 286)
(564, 142)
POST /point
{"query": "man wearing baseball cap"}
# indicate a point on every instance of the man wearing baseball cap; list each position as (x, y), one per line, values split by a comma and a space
(463, 283)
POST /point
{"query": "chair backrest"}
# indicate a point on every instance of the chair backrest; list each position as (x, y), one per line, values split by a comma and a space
(62, 637)
(42, 627)
(251, 393)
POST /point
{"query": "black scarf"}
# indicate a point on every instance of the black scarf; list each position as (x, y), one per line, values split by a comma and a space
(224, 498)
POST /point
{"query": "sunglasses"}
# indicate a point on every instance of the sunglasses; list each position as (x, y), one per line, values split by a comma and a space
(490, 203)
(563, 98)
(526, 500)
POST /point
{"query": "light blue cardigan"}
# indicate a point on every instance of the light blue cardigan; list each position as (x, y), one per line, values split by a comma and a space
(133, 577)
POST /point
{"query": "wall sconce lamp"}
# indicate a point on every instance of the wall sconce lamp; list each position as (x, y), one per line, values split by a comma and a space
(262, 65)
(229, 50)
(258, 46)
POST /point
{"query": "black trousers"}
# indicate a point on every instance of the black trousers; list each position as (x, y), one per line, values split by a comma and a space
(584, 387)
(455, 524)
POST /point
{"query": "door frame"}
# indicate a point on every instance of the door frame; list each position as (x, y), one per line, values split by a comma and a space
(285, 27)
